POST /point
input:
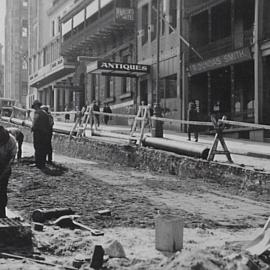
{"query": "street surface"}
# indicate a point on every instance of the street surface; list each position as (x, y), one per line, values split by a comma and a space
(218, 219)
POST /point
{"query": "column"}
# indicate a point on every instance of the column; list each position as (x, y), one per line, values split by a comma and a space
(209, 93)
(232, 91)
(48, 97)
(55, 99)
(61, 99)
(66, 98)
(258, 68)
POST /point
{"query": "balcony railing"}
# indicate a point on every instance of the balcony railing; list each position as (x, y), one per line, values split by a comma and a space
(95, 28)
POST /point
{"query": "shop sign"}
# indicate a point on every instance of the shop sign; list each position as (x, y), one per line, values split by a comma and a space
(124, 67)
(221, 61)
(126, 14)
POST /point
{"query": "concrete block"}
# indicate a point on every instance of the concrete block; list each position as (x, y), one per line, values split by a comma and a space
(256, 135)
(169, 233)
(14, 233)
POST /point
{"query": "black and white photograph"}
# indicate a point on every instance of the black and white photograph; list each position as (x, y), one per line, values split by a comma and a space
(135, 134)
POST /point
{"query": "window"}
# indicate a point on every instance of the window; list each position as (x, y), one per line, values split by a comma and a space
(153, 26)
(24, 64)
(125, 82)
(221, 21)
(53, 28)
(163, 13)
(25, 3)
(24, 88)
(173, 14)
(168, 87)
(145, 23)
(24, 28)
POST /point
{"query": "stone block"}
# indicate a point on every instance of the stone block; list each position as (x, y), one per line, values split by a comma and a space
(14, 233)
(169, 233)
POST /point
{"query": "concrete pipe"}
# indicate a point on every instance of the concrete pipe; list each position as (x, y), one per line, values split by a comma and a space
(182, 148)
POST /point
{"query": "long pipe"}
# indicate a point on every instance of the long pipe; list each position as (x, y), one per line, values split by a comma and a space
(182, 148)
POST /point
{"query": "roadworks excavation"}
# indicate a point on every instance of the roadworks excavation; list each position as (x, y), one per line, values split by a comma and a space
(222, 207)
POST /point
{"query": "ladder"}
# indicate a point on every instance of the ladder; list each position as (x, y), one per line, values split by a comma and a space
(143, 116)
(219, 138)
(81, 123)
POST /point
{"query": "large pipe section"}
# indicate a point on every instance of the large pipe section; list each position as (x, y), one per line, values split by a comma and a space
(182, 148)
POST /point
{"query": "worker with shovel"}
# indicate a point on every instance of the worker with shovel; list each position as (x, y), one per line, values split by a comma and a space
(8, 150)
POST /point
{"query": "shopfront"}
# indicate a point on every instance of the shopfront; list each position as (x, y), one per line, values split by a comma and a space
(225, 84)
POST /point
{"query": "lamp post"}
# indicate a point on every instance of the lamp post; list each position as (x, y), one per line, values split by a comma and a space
(157, 124)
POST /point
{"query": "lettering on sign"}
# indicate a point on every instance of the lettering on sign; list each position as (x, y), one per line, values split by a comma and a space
(220, 61)
(112, 66)
(124, 14)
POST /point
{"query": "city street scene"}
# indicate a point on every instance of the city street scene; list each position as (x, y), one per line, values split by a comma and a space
(134, 134)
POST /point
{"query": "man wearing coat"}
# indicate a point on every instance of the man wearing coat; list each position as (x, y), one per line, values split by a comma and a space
(41, 134)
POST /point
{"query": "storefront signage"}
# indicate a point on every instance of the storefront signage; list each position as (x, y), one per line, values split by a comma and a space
(221, 61)
(124, 67)
(126, 14)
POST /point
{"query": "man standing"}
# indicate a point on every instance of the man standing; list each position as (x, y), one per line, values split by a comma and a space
(192, 116)
(51, 122)
(107, 109)
(41, 134)
(8, 150)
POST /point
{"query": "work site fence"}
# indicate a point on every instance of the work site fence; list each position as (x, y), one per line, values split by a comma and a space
(16, 113)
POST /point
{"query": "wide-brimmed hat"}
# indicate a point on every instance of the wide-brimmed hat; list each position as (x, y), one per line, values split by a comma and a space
(4, 135)
(36, 103)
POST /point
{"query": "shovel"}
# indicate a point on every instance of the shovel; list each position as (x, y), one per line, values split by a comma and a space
(262, 242)
(69, 222)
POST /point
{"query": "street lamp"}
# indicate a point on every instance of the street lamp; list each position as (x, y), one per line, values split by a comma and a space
(157, 124)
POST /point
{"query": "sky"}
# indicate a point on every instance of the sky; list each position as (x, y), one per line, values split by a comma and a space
(2, 20)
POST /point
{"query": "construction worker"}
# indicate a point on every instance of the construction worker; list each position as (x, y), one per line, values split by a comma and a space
(41, 129)
(18, 135)
(8, 150)
(51, 123)
(192, 116)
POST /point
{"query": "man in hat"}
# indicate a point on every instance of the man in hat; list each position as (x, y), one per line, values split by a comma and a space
(41, 134)
(8, 150)
(51, 122)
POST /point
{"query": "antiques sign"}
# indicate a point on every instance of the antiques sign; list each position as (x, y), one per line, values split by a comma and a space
(114, 66)
(220, 61)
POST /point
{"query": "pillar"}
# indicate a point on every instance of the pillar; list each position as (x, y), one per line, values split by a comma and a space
(209, 93)
(66, 98)
(61, 99)
(232, 90)
(55, 99)
(258, 65)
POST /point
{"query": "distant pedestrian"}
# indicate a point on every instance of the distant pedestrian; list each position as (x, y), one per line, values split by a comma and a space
(51, 123)
(67, 115)
(192, 116)
(18, 135)
(107, 109)
(8, 151)
(41, 129)
(96, 109)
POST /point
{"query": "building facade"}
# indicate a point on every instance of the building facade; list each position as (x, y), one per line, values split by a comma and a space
(101, 35)
(1, 72)
(16, 51)
(48, 70)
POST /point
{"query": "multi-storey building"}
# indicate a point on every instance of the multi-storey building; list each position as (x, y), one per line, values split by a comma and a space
(221, 64)
(101, 35)
(1, 72)
(16, 36)
(48, 70)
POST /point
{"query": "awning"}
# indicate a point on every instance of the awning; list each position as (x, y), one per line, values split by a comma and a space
(117, 69)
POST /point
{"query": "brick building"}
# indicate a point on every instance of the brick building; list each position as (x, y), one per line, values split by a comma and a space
(16, 53)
